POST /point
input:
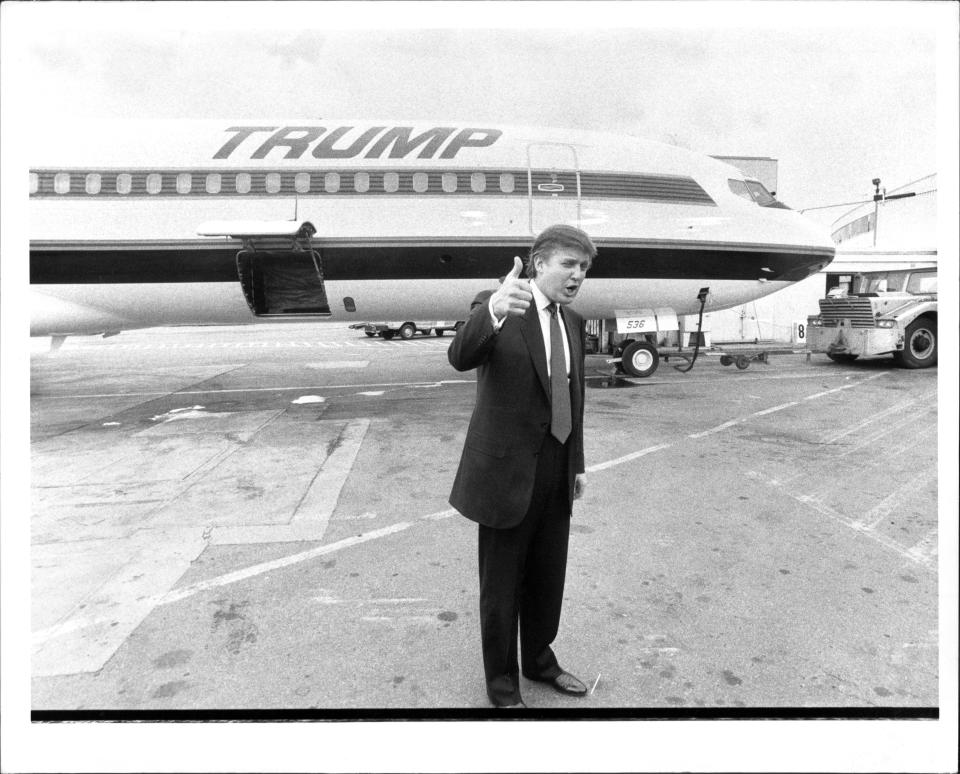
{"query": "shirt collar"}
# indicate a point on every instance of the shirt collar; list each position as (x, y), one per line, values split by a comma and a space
(538, 296)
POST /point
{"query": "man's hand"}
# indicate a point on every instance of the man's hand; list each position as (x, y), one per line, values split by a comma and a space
(579, 486)
(514, 296)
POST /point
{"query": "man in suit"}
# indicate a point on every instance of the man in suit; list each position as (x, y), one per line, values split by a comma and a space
(522, 463)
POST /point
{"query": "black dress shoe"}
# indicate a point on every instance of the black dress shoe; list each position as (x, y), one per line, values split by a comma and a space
(564, 683)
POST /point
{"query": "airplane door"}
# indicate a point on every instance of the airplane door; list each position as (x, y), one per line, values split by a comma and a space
(553, 185)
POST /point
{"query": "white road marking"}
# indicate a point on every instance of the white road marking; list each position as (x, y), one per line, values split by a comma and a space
(259, 569)
(845, 387)
(871, 419)
(256, 389)
(311, 516)
(927, 549)
(880, 512)
(339, 364)
(781, 407)
(85, 641)
(627, 458)
(815, 503)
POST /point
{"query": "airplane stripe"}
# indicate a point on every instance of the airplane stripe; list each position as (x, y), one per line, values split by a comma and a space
(77, 264)
(98, 184)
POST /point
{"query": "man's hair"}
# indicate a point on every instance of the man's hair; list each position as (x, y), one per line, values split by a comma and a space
(559, 237)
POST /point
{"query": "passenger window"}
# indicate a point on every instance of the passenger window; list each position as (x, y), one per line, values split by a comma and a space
(301, 182)
(331, 182)
(361, 182)
(124, 183)
(154, 183)
(391, 182)
(421, 182)
(34, 182)
(273, 182)
(213, 183)
(184, 183)
(93, 183)
(478, 182)
(61, 183)
(448, 181)
(243, 182)
(507, 182)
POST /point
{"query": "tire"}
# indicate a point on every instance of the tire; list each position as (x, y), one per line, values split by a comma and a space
(438, 331)
(919, 344)
(640, 358)
(371, 334)
(407, 330)
(726, 360)
(842, 357)
(387, 335)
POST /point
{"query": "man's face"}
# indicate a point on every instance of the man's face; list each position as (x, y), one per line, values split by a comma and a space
(561, 273)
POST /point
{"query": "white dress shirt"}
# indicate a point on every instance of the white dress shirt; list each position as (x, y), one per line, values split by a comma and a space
(542, 302)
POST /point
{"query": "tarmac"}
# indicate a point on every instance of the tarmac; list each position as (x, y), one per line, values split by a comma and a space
(255, 520)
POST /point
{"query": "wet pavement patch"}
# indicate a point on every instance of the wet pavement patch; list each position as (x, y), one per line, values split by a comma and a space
(730, 678)
(172, 658)
(167, 690)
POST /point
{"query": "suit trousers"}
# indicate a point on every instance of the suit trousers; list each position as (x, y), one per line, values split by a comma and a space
(522, 571)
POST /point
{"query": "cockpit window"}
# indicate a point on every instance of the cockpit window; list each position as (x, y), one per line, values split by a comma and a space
(760, 194)
(739, 188)
(755, 192)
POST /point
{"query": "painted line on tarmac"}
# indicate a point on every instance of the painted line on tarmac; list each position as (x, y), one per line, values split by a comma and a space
(627, 458)
(258, 569)
(781, 407)
(259, 389)
(918, 554)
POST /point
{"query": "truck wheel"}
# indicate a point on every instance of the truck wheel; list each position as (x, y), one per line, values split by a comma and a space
(407, 330)
(742, 362)
(387, 335)
(842, 357)
(438, 331)
(919, 344)
(640, 358)
(371, 334)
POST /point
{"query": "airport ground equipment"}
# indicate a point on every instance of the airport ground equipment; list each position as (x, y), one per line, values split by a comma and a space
(879, 313)
(407, 329)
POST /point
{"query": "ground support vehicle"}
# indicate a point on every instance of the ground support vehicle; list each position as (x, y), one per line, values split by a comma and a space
(406, 329)
(642, 360)
(880, 313)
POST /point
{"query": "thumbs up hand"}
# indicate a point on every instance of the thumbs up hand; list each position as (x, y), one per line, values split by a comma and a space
(514, 296)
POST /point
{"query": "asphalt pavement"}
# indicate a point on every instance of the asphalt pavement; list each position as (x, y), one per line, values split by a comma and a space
(255, 519)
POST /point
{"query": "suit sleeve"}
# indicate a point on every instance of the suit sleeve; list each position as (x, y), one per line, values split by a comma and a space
(475, 340)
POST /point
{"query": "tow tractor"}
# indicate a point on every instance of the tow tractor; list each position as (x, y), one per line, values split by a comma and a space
(640, 356)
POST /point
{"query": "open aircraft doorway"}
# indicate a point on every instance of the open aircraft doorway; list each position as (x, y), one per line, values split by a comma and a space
(553, 181)
(281, 274)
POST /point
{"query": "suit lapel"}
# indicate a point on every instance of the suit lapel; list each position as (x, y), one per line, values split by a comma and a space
(533, 337)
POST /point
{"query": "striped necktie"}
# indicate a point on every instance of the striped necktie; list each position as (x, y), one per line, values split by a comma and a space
(560, 420)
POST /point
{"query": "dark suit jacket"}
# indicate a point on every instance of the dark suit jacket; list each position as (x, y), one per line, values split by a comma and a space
(494, 482)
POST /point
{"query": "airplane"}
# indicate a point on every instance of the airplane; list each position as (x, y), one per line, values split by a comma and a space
(146, 223)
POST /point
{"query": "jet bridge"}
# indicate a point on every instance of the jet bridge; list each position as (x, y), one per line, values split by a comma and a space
(280, 272)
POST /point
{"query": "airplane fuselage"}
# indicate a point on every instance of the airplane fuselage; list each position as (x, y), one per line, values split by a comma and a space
(412, 220)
